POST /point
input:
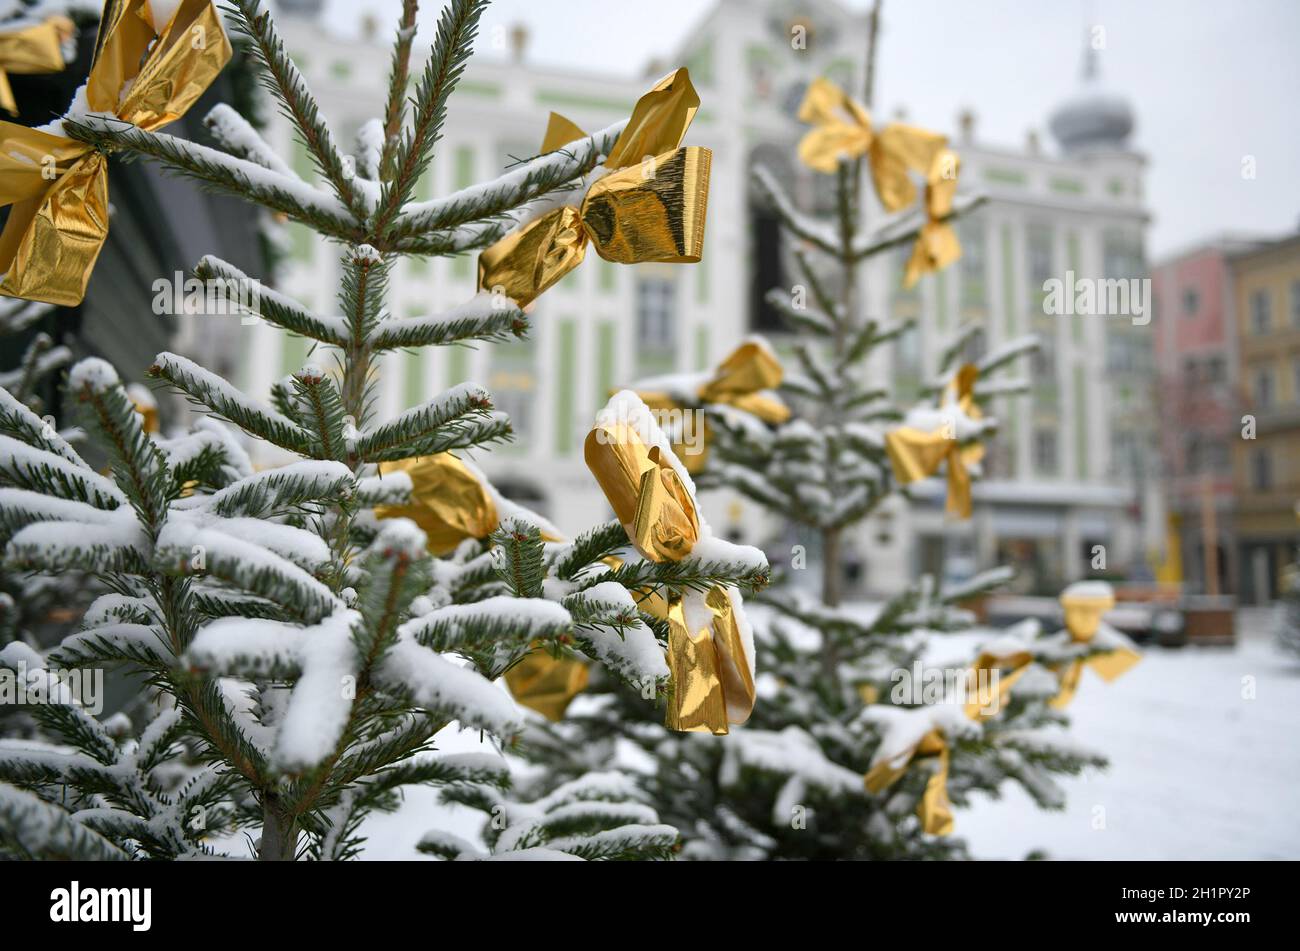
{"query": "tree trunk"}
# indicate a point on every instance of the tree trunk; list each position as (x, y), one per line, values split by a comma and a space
(279, 836)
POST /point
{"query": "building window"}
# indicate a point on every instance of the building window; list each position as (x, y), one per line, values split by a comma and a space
(1191, 369)
(656, 315)
(1260, 318)
(1261, 470)
(1295, 379)
(1295, 303)
(1263, 388)
(1215, 370)
(1045, 451)
(1191, 302)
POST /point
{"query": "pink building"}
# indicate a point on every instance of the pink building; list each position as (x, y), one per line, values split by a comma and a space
(1196, 363)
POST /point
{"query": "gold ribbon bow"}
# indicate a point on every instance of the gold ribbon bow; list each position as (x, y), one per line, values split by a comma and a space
(935, 809)
(59, 186)
(1015, 663)
(842, 129)
(650, 206)
(1083, 613)
(32, 49)
(741, 381)
(450, 503)
(916, 454)
(712, 684)
(937, 245)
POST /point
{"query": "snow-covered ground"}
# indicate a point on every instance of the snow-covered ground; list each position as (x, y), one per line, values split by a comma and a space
(1205, 764)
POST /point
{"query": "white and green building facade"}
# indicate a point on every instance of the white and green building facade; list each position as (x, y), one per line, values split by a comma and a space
(1066, 470)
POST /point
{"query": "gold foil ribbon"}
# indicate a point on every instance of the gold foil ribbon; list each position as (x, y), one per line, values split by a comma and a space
(32, 49)
(842, 129)
(712, 684)
(58, 186)
(916, 454)
(651, 206)
(450, 504)
(1082, 619)
(547, 684)
(448, 501)
(935, 809)
(1017, 662)
(936, 245)
(740, 381)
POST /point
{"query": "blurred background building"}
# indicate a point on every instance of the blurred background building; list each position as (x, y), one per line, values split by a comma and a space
(1074, 465)
(1266, 459)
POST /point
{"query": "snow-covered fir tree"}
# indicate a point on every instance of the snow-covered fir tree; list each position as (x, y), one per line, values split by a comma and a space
(861, 741)
(301, 647)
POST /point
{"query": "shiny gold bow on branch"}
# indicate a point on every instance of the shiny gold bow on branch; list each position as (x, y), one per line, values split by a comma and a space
(58, 186)
(1014, 663)
(650, 206)
(936, 245)
(32, 49)
(712, 682)
(450, 503)
(916, 454)
(743, 380)
(935, 809)
(842, 129)
(1083, 612)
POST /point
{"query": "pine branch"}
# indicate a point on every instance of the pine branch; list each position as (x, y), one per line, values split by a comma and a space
(283, 80)
(211, 391)
(398, 78)
(222, 173)
(521, 557)
(590, 547)
(457, 29)
(275, 308)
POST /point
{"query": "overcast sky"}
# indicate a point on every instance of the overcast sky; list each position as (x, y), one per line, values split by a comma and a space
(1211, 81)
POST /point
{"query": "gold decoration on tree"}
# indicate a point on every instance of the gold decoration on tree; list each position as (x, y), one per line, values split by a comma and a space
(712, 682)
(1084, 604)
(743, 380)
(650, 206)
(145, 76)
(917, 454)
(842, 129)
(32, 49)
(935, 809)
(451, 503)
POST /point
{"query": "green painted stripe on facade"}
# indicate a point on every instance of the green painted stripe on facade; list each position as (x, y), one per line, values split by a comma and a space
(303, 165)
(302, 240)
(566, 384)
(606, 355)
(607, 276)
(463, 266)
(1067, 186)
(1080, 422)
(293, 354)
(479, 88)
(702, 347)
(1005, 176)
(1072, 259)
(413, 367)
(1009, 283)
(941, 289)
(702, 282)
(575, 100)
(457, 365)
